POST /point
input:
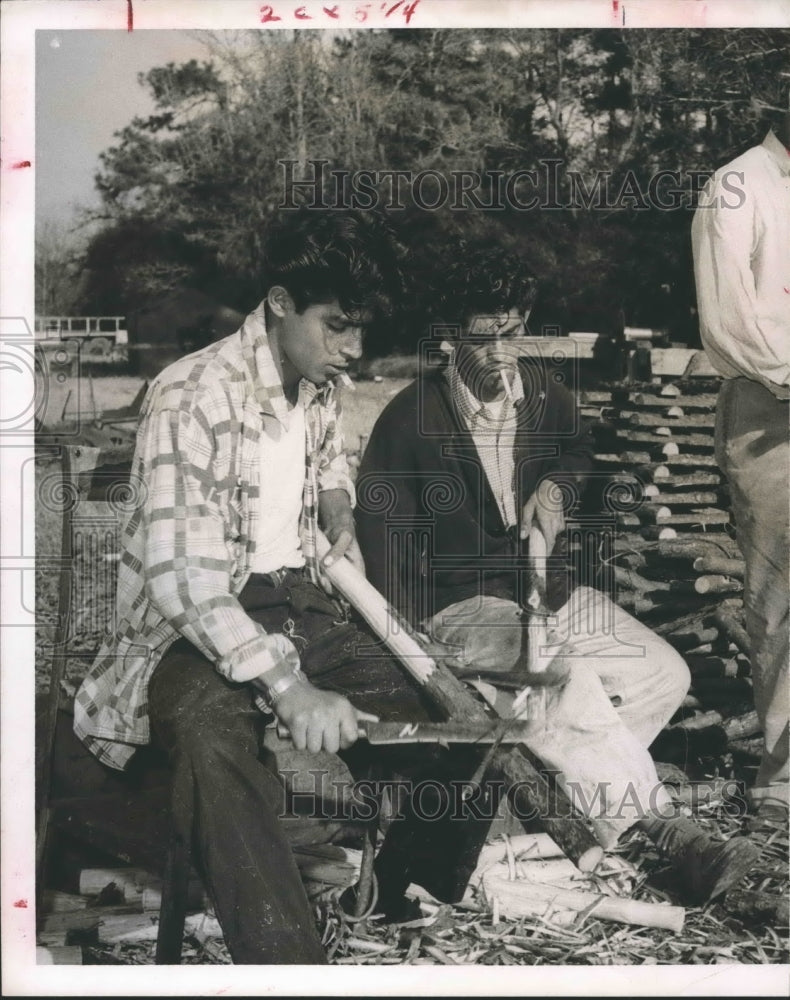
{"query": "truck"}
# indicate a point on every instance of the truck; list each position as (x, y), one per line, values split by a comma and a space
(99, 335)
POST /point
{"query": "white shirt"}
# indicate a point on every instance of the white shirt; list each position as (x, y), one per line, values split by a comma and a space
(493, 429)
(282, 458)
(741, 242)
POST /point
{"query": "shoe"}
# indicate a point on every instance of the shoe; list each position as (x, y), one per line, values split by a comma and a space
(705, 867)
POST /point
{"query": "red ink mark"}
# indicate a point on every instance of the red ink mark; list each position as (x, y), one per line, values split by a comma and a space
(408, 10)
(786, 291)
(21, 904)
(129, 16)
(361, 13)
(20, 164)
(332, 11)
(267, 14)
(301, 14)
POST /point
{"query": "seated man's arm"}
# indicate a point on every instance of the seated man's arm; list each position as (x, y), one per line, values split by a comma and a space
(188, 552)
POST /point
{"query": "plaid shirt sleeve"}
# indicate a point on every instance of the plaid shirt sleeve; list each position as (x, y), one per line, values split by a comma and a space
(333, 472)
(188, 552)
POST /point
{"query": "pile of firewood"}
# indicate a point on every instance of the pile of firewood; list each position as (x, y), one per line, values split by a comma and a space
(673, 561)
(120, 906)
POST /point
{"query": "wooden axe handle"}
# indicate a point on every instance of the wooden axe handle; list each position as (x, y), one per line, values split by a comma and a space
(532, 793)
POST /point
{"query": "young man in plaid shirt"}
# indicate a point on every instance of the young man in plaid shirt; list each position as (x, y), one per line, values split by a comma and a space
(220, 606)
(473, 454)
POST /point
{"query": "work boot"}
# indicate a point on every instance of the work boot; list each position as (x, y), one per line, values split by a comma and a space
(705, 867)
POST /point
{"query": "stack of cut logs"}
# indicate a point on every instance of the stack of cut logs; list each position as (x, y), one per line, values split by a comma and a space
(673, 562)
(118, 906)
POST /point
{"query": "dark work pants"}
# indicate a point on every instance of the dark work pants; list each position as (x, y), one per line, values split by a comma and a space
(226, 802)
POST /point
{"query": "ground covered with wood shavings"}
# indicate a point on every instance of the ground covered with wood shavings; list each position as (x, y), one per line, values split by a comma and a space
(471, 933)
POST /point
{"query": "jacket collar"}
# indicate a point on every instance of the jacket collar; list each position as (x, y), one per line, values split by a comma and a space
(466, 403)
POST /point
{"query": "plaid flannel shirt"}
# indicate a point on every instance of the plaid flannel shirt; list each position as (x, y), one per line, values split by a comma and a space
(189, 543)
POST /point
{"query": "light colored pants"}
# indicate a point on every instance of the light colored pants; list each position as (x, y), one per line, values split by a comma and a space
(753, 450)
(625, 682)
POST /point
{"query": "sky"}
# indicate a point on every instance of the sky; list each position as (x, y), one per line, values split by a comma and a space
(87, 89)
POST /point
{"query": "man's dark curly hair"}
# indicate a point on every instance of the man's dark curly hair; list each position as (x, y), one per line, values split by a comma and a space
(320, 255)
(483, 281)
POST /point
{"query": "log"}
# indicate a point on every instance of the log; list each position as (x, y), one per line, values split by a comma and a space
(761, 907)
(656, 438)
(694, 480)
(624, 459)
(84, 920)
(710, 666)
(733, 630)
(703, 516)
(753, 747)
(654, 513)
(740, 726)
(691, 461)
(143, 927)
(518, 898)
(669, 390)
(721, 565)
(456, 702)
(737, 727)
(660, 419)
(704, 401)
(694, 498)
(130, 881)
(689, 548)
(658, 532)
(152, 896)
(690, 624)
(679, 745)
(68, 955)
(717, 584)
(723, 693)
(525, 846)
(61, 902)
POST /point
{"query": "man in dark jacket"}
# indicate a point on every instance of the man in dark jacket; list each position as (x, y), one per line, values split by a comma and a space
(460, 466)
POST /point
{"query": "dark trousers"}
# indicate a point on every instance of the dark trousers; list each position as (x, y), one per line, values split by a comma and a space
(226, 801)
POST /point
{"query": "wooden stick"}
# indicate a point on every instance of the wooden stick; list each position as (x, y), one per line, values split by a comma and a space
(537, 636)
(717, 584)
(520, 898)
(704, 401)
(143, 927)
(130, 881)
(456, 702)
(720, 564)
(733, 630)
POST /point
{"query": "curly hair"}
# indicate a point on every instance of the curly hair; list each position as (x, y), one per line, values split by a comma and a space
(483, 281)
(353, 256)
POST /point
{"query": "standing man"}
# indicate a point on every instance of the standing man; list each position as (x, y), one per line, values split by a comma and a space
(741, 243)
(459, 467)
(220, 609)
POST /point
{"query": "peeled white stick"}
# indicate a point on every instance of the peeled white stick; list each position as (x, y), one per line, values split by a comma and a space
(506, 383)
(377, 612)
(537, 636)
(523, 899)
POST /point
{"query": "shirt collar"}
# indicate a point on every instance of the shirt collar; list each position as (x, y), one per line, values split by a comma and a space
(263, 375)
(469, 406)
(778, 151)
